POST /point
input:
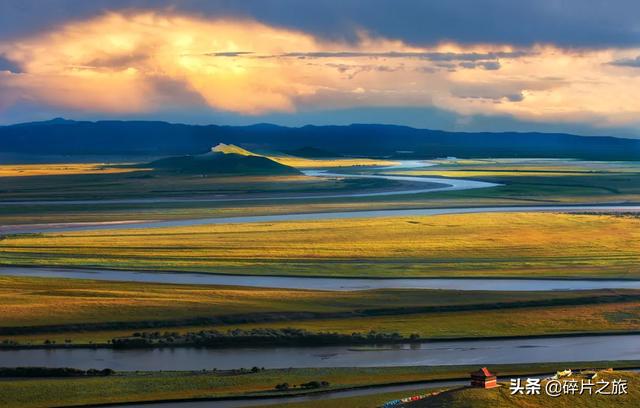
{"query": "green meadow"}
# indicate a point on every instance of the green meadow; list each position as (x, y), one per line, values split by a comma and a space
(155, 386)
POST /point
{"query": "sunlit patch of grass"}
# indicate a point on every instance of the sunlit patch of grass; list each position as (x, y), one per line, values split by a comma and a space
(488, 244)
(29, 301)
(303, 163)
(25, 170)
(494, 173)
(506, 169)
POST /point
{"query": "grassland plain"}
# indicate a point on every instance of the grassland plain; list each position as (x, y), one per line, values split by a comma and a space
(154, 386)
(34, 310)
(472, 245)
(100, 180)
(27, 301)
(125, 183)
(523, 182)
(534, 321)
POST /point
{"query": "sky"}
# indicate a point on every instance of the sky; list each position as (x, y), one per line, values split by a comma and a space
(468, 65)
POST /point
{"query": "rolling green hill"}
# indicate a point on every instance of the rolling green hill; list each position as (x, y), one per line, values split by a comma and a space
(223, 159)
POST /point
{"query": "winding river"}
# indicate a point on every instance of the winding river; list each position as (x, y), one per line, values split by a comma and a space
(435, 184)
(331, 284)
(324, 283)
(67, 227)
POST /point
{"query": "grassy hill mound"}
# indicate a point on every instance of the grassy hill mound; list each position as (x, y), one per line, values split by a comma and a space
(223, 159)
(501, 397)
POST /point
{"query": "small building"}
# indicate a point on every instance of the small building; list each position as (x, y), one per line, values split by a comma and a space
(483, 379)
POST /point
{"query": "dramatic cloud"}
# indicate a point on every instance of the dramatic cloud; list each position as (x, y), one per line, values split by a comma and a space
(564, 23)
(141, 61)
(628, 62)
(425, 55)
(7, 65)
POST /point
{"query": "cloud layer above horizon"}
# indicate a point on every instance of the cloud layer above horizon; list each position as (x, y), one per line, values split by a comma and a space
(131, 59)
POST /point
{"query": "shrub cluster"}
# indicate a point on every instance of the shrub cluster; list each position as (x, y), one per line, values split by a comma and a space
(255, 337)
(52, 372)
(311, 385)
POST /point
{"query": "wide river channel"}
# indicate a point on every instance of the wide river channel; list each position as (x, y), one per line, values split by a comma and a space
(477, 352)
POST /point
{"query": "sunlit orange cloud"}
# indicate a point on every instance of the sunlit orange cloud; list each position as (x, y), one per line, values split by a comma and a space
(146, 61)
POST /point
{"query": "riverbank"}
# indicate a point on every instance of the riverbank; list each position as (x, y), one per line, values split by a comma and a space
(93, 312)
(154, 387)
(379, 339)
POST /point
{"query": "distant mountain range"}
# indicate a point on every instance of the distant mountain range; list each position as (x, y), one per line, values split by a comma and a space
(65, 137)
(222, 159)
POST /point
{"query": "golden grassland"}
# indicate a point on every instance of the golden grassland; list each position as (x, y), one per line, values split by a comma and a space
(303, 163)
(621, 317)
(29, 301)
(534, 321)
(26, 170)
(501, 397)
(154, 386)
(30, 214)
(33, 302)
(508, 168)
(538, 164)
(488, 244)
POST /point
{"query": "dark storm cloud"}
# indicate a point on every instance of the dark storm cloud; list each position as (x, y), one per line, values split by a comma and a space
(494, 94)
(488, 65)
(8, 65)
(121, 61)
(230, 54)
(570, 23)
